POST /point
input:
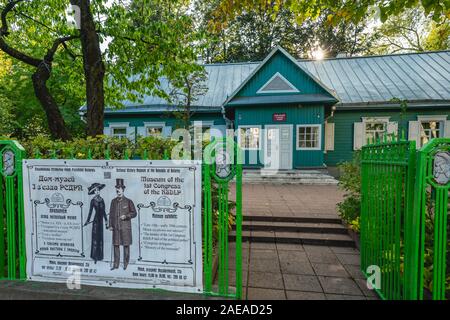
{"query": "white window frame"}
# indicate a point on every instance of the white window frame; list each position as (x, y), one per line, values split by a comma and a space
(297, 137)
(246, 127)
(154, 125)
(293, 90)
(431, 118)
(119, 125)
(203, 124)
(366, 120)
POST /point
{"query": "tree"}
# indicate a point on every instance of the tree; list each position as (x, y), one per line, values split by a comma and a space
(411, 31)
(94, 68)
(146, 41)
(252, 34)
(341, 9)
(40, 60)
(187, 90)
(403, 33)
(439, 36)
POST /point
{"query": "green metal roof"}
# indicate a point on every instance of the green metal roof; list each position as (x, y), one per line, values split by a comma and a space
(357, 81)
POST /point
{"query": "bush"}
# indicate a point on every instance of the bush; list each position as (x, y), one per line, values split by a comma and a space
(350, 181)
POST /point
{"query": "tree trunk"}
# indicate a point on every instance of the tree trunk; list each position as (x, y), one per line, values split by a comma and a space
(94, 69)
(43, 67)
(55, 120)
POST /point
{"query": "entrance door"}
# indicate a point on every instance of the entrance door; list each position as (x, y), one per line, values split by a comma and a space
(278, 147)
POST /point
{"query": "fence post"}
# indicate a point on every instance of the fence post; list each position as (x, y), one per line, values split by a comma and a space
(12, 154)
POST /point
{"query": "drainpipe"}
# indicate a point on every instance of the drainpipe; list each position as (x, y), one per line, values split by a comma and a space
(333, 109)
(229, 123)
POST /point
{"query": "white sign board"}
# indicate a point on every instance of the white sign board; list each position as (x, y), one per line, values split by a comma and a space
(124, 223)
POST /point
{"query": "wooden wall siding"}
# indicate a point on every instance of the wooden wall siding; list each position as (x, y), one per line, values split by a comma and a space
(343, 134)
(294, 74)
(257, 115)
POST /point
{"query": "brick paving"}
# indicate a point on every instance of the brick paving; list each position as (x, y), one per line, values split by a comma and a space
(294, 271)
(298, 272)
(289, 200)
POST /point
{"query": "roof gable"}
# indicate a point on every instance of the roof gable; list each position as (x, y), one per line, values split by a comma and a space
(280, 74)
(277, 84)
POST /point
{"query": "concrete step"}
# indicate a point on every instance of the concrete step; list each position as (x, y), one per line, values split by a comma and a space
(315, 177)
(319, 182)
(328, 219)
(308, 227)
(336, 240)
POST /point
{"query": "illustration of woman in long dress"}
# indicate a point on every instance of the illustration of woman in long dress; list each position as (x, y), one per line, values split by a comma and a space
(97, 204)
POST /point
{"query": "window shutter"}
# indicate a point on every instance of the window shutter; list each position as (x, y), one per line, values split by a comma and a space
(447, 129)
(392, 128)
(131, 133)
(329, 136)
(358, 135)
(414, 132)
(107, 131)
(141, 131)
(167, 132)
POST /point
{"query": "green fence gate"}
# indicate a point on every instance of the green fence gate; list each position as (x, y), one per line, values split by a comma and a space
(404, 199)
(220, 167)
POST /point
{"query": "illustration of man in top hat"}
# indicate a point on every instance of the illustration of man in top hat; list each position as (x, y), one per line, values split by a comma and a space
(121, 211)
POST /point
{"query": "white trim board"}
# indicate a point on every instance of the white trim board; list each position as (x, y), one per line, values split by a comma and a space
(431, 118)
(154, 124)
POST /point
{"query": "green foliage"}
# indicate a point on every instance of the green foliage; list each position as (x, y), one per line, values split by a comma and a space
(98, 147)
(342, 10)
(143, 41)
(251, 35)
(350, 181)
(149, 40)
(411, 31)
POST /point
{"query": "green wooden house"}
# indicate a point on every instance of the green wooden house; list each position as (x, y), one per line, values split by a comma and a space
(318, 111)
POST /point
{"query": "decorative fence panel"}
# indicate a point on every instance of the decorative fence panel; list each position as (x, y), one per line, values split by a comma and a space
(218, 172)
(404, 208)
(387, 192)
(430, 224)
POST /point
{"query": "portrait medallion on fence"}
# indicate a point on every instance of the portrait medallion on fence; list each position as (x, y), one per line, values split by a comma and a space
(223, 163)
(441, 168)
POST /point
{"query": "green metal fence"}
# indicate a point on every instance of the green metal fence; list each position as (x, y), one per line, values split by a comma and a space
(430, 222)
(220, 168)
(12, 223)
(401, 206)
(219, 173)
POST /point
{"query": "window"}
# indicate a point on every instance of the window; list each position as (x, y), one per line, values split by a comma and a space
(430, 129)
(249, 137)
(375, 130)
(154, 131)
(119, 132)
(205, 130)
(309, 137)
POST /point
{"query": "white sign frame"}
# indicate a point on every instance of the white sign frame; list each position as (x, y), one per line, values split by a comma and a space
(160, 218)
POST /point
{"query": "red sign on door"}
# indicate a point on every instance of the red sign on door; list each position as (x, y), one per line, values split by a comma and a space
(279, 117)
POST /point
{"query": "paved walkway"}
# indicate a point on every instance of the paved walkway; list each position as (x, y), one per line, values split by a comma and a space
(289, 200)
(295, 271)
(291, 271)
